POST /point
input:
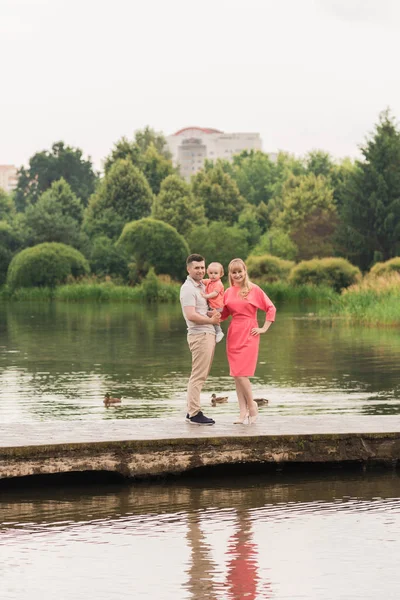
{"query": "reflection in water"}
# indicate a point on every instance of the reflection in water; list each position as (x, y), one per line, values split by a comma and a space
(257, 538)
(57, 361)
(200, 574)
(242, 578)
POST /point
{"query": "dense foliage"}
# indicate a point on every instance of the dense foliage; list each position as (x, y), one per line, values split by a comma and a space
(266, 209)
(371, 199)
(153, 243)
(269, 268)
(45, 167)
(337, 273)
(46, 265)
(386, 268)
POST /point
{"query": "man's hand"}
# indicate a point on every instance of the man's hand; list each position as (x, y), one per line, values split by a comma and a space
(215, 316)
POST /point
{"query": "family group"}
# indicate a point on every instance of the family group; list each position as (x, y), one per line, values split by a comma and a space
(205, 304)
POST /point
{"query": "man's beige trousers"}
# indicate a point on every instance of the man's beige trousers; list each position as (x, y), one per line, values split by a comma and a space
(202, 347)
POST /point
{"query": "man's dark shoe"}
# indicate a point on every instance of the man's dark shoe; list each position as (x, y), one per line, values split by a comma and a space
(199, 419)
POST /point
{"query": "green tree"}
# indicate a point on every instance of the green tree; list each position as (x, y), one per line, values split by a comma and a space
(340, 177)
(146, 155)
(106, 259)
(49, 166)
(176, 205)
(10, 242)
(338, 173)
(155, 167)
(319, 162)
(123, 196)
(286, 166)
(100, 219)
(219, 194)
(308, 214)
(249, 223)
(263, 216)
(255, 175)
(135, 150)
(219, 242)
(144, 138)
(7, 208)
(55, 217)
(123, 150)
(371, 200)
(277, 243)
(155, 244)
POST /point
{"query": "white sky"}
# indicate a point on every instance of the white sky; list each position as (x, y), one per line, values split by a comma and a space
(305, 74)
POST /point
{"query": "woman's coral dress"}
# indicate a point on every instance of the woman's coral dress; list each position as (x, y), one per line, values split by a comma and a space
(241, 346)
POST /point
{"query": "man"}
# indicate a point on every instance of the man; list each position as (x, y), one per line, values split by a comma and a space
(200, 337)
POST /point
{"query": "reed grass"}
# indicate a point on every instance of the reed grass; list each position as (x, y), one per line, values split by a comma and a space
(282, 291)
(373, 301)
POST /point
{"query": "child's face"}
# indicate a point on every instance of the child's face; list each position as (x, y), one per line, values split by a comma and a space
(214, 272)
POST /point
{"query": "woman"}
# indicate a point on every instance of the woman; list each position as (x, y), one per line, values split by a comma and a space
(241, 301)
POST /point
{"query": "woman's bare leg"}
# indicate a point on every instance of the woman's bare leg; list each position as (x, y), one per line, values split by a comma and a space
(252, 407)
(242, 401)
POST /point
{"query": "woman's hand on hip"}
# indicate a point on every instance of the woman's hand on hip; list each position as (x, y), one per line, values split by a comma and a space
(256, 331)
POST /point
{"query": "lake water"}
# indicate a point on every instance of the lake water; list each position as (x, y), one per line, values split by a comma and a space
(314, 537)
(58, 360)
(283, 536)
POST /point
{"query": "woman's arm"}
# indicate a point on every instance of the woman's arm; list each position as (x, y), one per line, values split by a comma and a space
(265, 304)
(263, 329)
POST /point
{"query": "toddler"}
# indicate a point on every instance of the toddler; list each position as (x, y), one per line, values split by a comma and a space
(215, 293)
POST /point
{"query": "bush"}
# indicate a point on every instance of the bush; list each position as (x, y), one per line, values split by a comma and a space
(337, 273)
(268, 268)
(47, 264)
(386, 268)
(155, 244)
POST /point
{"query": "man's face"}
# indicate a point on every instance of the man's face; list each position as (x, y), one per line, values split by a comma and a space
(196, 270)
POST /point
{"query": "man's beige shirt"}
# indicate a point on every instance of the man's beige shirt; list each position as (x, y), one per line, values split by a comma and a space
(191, 296)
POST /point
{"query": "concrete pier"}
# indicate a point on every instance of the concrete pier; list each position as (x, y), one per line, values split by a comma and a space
(145, 448)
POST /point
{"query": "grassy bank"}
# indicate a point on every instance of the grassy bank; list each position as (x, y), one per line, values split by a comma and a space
(155, 290)
(97, 292)
(374, 301)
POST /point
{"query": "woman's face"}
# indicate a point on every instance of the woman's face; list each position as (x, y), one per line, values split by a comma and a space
(238, 274)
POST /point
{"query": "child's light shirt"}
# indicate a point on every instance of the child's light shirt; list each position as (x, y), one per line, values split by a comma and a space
(215, 285)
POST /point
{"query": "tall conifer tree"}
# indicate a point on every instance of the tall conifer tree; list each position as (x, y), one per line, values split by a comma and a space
(371, 202)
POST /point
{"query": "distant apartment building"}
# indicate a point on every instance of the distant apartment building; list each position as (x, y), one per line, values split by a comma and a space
(8, 177)
(192, 145)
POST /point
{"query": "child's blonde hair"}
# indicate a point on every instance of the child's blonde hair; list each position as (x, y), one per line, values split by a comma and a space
(221, 268)
(246, 285)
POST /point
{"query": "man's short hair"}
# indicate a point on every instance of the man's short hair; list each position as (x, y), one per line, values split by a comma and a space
(194, 258)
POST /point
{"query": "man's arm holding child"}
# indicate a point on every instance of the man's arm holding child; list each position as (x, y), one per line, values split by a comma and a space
(195, 317)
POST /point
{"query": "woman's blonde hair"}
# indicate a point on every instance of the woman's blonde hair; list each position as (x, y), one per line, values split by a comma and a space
(246, 285)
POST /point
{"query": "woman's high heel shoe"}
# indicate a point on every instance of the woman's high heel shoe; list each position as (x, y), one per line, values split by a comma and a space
(244, 421)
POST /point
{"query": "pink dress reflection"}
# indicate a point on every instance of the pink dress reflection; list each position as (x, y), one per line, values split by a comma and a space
(242, 577)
